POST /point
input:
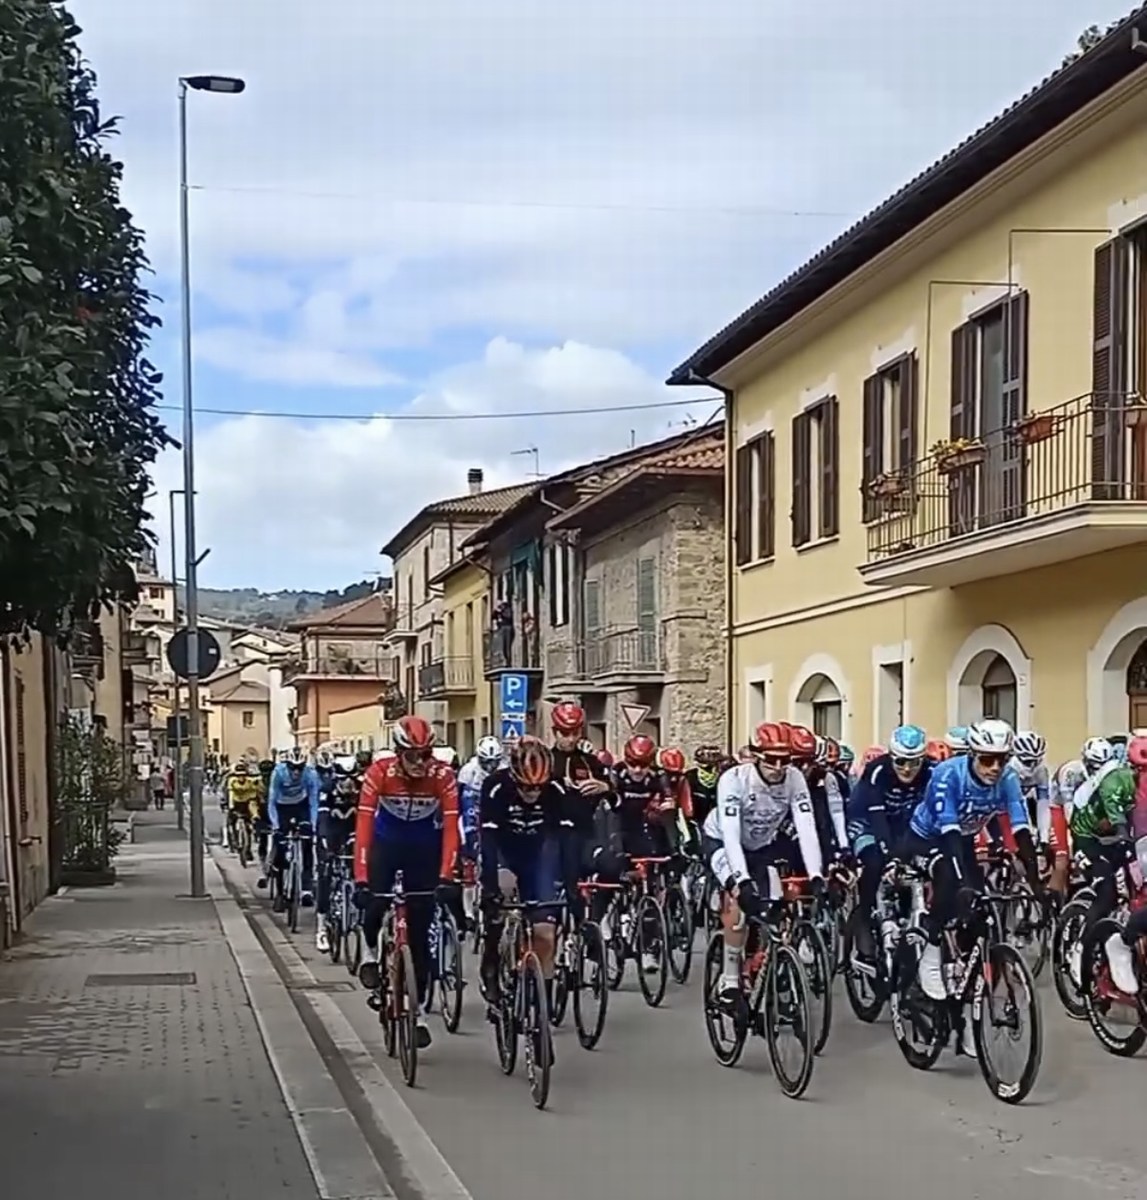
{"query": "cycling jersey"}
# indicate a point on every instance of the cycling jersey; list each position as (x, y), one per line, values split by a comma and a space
(572, 767)
(881, 803)
(471, 777)
(523, 835)
(296, 791)
(703, 791)
(395, 807)
(1036, 789)
(750, 814)
(244, 791)
(340, 801)
(957, 801)
(1103, 802)
(828, 809)
(640, 798)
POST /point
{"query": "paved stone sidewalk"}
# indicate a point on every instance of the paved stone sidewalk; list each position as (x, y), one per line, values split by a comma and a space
(137, 1088)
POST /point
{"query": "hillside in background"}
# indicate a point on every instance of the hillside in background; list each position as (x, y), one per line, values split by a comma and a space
(249, 606)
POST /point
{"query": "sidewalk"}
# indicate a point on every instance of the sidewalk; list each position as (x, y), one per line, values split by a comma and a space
(131, 1066)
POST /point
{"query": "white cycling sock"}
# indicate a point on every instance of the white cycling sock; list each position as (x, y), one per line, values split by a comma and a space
(732, 963)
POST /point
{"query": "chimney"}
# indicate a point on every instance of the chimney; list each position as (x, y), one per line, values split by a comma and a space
(474, 479)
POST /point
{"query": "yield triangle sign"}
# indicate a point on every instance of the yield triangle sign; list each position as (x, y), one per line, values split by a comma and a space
(634, 714)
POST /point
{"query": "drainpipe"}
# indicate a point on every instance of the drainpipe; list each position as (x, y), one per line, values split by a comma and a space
(730, 553)
(9, 886)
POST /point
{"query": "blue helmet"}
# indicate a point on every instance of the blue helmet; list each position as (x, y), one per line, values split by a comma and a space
(907, 741)
(957, 739)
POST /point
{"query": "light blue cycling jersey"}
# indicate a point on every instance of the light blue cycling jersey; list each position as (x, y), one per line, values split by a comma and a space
(958, 802)
(291, 790)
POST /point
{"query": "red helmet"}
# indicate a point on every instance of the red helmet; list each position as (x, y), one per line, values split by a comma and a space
(831, 751)
(412, 735)
(531, 763)
(871, 754)
(671, 761)
(567, 717)
(772, 737)
(605, 758)
(639, 751)
(802, 743)
(938, 750)
(1137, 751)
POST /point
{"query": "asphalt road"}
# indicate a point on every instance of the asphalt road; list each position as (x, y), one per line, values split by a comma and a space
(650, 1114)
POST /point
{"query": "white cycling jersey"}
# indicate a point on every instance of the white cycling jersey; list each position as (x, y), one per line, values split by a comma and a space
(835, 799)
(1035, 785)
(750, 813)
(1068, 779)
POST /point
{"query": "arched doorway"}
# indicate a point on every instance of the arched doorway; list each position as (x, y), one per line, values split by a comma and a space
(825, 706)
(998, 690)
(1137, 688)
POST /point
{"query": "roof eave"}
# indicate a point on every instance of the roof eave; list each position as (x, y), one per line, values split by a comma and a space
(571, 518)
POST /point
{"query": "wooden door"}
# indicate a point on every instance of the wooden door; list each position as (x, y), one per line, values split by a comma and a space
(1137, 710)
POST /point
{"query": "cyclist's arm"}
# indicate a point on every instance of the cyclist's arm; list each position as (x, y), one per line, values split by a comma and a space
(836, 809)
(491, 815)
(314, 790)
(1016, 812)
(804, 822)
(685, 798)
(729, 809)
(868, 800)
(364, 818)
(448, 800)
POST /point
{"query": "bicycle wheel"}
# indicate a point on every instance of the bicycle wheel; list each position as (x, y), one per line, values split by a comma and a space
(588, 985)
(243, 839)
(1019, 1003)
(727, 1034)
(450, 982)
(616, 949)
(651, 946)
(1027, 926)
(1067, 957)
(506, 1018)
(806, 940)
(561, 987)
(334, 926)
(405, 1002)
(865, 982)
(536, 1030)
(920, 1025)
(294, 891)
(787, 1007)
(1114, 1018)
(386, 1002)
(679, 926)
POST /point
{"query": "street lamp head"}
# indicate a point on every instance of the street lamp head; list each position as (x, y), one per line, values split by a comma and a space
(214, 83)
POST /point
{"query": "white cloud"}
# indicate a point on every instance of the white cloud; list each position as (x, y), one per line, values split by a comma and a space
(259, 357)
(316, 500)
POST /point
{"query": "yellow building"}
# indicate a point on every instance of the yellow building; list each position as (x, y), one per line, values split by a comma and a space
(947, 400)
(458, 676)
(359, 728)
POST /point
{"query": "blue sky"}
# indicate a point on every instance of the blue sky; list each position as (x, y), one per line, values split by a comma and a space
(434, 207)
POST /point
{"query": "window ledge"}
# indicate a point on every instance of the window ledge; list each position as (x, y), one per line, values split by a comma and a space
(817, 543)
(754, 563)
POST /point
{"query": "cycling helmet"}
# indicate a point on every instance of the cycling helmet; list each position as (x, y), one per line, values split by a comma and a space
(871, 754)
(412, 735)
(253, 770)
(990, 736)
(363, 759)
(605, 758)
(802, 743)
(585, 746)
(531, 763)
(1029, 748)
(567, 717)
(847, 755)
(489, 752)
(937, 750)
(1137, 751)
(831, 752)
(768, 738)
(707, 756)
(820, 749)
(671, 761)
(908, 742)
(639, 751)
(957, 739)
(324, 760)
(1096, 752)
(296, 757)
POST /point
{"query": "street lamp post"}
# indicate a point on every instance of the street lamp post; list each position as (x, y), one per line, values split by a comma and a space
(177, 771)
(228, 86)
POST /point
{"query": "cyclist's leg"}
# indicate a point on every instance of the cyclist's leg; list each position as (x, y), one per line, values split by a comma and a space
(872, 863)
(325, 853)
(384, 857)
(420, 866)
(307, 848)
(945, 889)
(571, 850)
(537, 886)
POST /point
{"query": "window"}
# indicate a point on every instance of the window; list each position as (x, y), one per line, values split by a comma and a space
(755, 498)
(407, 621)
(816, 475)
(989, 395)
(248, 719)
(155, 593)
(426, 571)
(889, 698)
(998, 691)
(557, 582)
(591, 621)
(889, 421)
(648, 627)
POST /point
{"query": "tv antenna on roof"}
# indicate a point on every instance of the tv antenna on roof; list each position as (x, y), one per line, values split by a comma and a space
(529, 450)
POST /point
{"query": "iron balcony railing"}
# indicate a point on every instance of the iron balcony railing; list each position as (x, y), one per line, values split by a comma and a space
(369, 666)
(1091, 449)
(623, 651)
(503, 650)
(455, 673)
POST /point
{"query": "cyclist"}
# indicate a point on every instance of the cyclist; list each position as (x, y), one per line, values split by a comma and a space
(744, 843)
(957, 740)
(293, 799)
(811, 754)
(487, 759)
(1121, 947)
(338, 805)
(521, 813)
(407, 821)
(244, 796)
(879, 809)
(263, 822)
(965, 795)
(702, 779)
(1029, 750)
(671, 764)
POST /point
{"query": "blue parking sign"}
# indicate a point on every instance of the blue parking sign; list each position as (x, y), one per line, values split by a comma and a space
(515, 695)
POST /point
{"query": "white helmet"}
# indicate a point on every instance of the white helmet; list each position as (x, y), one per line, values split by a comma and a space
(489, 751)
(990, 736)
(1029, 747)
(1097, 751)
(296, 757)
(324, 759)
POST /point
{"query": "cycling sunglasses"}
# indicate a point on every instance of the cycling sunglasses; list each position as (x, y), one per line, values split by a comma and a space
(905, 763)
(992, 760)
(774, 760)
(414, 756)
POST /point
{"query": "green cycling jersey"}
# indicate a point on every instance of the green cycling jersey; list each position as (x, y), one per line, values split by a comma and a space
(1110, 804)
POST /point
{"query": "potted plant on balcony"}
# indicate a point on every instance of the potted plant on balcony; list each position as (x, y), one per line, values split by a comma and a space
(887, 484)
(1035, 427)
(958, 453)
(1135, 412)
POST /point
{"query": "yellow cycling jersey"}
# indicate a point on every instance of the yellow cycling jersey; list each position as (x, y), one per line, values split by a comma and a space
(244, 790)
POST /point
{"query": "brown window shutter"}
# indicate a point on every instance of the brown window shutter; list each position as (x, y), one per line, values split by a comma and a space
(962, 424)
(1107, 385)
(767, 510)
(908, 416)
(1013, 475)
(872, 453)
(802, 498)
(830, 468)
(743, 504)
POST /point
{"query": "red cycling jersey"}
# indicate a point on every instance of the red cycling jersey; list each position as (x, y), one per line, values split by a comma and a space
(396, 799)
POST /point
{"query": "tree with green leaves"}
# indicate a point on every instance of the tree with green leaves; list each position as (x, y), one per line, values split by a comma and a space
(77, 393)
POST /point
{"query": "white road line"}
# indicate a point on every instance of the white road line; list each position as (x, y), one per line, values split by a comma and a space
(341, 1161)
(423, 1161)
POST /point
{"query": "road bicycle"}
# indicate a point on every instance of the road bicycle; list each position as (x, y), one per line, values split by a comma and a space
(240, 838)
(343, 917)
(635, 928)
(447, 981)
(290, 882)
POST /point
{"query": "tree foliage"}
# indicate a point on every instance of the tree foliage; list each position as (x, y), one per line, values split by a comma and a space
(1088, 40)
(77, 430)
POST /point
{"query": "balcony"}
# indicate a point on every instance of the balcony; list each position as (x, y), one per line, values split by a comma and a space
(135, 650)
(502, 653)
(452, 676)
(609, 659)
(1058, 485)
(86, 649)
(405, 625)
(378, 667)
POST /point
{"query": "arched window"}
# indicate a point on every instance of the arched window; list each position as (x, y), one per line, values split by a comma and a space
(998, 691)
(827, 710)
(1137, 688)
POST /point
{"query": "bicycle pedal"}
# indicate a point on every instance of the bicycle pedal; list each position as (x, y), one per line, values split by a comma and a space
(373, 1001)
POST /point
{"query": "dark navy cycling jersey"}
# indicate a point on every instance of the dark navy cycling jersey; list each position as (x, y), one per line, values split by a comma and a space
(511, 827)
(881, 803)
